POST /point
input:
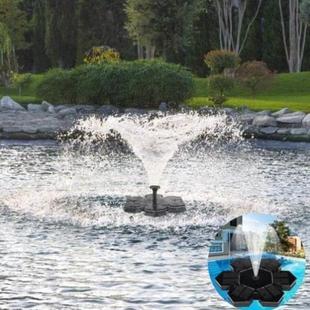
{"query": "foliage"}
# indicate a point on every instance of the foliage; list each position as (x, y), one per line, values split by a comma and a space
(21, 80)
(101, 54)
(6, 55)
(40, 59)
(60, 37)
(219, 85)
(139, 83)
(16, 22)
(162, 26)
(305, 11)
(283, 233)
(219, 60)
(58, 86)
(254, 75)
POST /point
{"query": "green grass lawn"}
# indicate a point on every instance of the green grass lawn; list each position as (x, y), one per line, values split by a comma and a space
(286, 91)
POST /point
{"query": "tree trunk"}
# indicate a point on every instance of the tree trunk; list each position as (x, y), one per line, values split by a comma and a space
(294, 42)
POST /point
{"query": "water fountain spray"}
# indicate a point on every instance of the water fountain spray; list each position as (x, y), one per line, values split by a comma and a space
(162, 137)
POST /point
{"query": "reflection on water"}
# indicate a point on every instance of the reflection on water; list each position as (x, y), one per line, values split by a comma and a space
(65, 242)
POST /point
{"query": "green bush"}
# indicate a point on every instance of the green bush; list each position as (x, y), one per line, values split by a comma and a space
(141, 84)
(21, 81)
(219, 85)
(58, 86)
(255, 76)
(219, 60)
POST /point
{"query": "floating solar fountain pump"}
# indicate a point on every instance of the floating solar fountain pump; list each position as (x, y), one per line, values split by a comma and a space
(154, 205)
(267, 287)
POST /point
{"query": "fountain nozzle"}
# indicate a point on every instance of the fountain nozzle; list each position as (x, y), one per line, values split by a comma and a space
(155, 189)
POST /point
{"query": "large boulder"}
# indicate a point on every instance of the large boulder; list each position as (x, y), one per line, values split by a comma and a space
(281, 112)
(47, 107)
(35, 108)
(264, 121)
(306, 121)
(7, 103)
(295, 118)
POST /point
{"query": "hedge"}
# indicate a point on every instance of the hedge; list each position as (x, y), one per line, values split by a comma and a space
(141, 84)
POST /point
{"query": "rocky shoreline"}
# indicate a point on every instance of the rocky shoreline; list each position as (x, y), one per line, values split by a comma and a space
(47, 121)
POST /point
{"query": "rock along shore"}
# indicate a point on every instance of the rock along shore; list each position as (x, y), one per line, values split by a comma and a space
(47, 121)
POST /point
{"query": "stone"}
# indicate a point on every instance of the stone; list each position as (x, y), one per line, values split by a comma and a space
(35, 108)
(306, 121)
(268, 130)
(247, 117)
(163, 107)
(281, 112)
(265, 112)
(283, 131)
(108, 110)
(85, 109)
(46, 105)
(7, 103)
(299, 131)
(264, 121)
(51, 109)
(67, 111)
(295, 118)
(60, 107)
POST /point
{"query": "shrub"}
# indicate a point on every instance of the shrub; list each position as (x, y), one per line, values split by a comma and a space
(218, 86)
(142, 84)
(219, 60)
(254, 75)
(101, 54)
(21, 80)
(58, 86)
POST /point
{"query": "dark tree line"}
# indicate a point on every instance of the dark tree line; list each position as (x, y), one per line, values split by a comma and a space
(57, 33)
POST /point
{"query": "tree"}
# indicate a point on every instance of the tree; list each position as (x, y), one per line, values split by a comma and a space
(6, 55)
(231, 15)
(16, 25)
(40, 59)
(140, 27)
(162, 27)
(60, 37)
(254, 75)
(294, 33)
(103, 26)
(283, 232)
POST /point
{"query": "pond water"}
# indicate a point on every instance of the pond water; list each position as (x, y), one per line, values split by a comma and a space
(66, 243)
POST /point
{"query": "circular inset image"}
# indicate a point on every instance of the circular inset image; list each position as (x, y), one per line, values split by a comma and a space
(257, 262)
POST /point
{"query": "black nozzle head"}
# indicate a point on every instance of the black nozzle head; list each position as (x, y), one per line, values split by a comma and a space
(154, 187)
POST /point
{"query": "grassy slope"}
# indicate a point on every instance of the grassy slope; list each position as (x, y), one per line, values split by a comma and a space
(287, 90)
